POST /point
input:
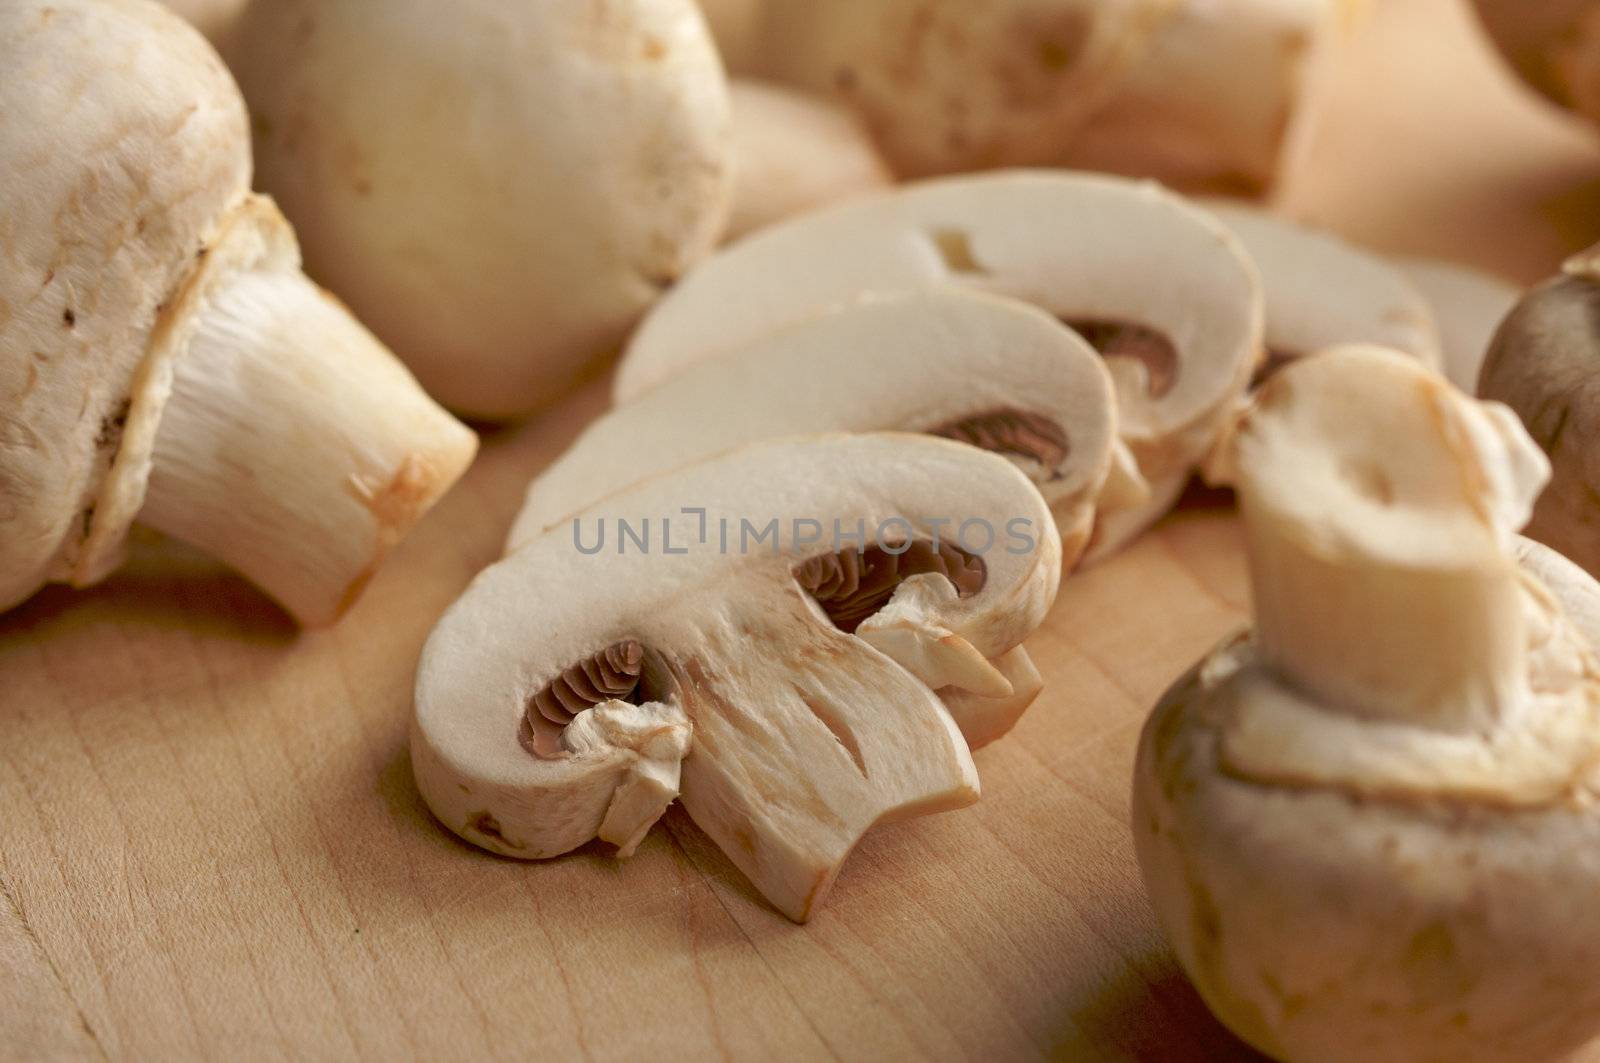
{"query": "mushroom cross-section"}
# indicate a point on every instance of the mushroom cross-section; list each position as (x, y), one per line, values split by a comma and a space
(996, 373)
(162, 357)
(796, 607)
(1369, 825)
(1322, 291)
(1161, 288)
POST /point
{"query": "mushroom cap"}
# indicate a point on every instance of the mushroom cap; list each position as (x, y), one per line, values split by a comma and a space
(101, 230)
(1468, 306)
(1080, 246)
(1322, 291)
(930, 361)
(1542, 363)
(803, 735)
(1321, 924)
(557, 167)
(949, 85)
(792, 153)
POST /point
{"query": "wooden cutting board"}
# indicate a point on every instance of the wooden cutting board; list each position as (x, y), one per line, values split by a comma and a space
(211, 845)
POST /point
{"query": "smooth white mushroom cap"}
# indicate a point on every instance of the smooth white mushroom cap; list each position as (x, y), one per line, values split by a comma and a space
(499, 195)
(803, 735)
(109, 195)
(793, 153)
(1322, 291)
(926, 361)
(1080, 246)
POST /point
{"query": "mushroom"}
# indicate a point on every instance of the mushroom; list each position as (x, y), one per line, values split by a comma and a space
(162, 357)
(1554, 45)
(1468, 306)
(1182, 89)
(1222, 96)
(557, 167)
(993, 372)
(1368, 826)
(793, 153)
(1324, 292)
(1542, 364)
(1158, 286)
(773, 660)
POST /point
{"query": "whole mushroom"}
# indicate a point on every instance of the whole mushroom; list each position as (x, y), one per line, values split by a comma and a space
(1369, 825)
(499, 192)
(774, 656)
(1158, 286)
(162, 357)
(1543, 363)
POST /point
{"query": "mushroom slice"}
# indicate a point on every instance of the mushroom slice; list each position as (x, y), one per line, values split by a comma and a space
(162, 356)
(996, 373)
(1161, 288)
(1323, 292)
(1468, 306)
(793, 153)
(788, 654)
(1368, 824)
(1542, 363)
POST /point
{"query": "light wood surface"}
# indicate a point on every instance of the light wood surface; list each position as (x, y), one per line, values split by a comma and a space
(211, 845)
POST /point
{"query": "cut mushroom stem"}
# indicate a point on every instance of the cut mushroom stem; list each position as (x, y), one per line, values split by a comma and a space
(1378, 587)
(293, 446)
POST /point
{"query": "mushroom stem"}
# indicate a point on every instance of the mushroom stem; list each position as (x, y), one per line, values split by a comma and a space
(1441, 648)
(294, 446)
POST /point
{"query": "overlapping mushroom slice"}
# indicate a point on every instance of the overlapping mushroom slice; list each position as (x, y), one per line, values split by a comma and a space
(1161, 288)
(1468, 306)
(1369, 824)
(996, 373)
(789, 695)
(1322, 292)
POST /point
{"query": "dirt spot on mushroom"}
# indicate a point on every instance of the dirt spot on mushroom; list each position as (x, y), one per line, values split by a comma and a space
(1019, 433)
(654, 49)
(1128, 339)
(851, 585)
(485, 824)
(111, 425)
(69, 317)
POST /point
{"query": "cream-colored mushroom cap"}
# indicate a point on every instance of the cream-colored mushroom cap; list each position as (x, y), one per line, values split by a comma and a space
(95, 241)
(793, 153)
(997, 373)
(788, 675)
(1322, 291)
(498, 191)
(1368, 825)
(1158, 286)
(1468, 306)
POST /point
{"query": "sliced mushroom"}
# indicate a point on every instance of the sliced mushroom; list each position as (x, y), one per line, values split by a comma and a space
(499, 190)
(162, 357)
(1369, 824)
(948, 85)
(787, 664)
(1164, 291)
(1468, 306)
(996, 373)
(793, 153)
(1543, 364)
(1222, 96)
(1322, 292)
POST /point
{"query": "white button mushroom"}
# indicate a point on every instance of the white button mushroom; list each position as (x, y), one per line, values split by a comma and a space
(1369, 826)
(1323, 292)
(1543, 364)
(500, 201)
(162, 357)
(775, 657)
(793, 153)
(1160, 287)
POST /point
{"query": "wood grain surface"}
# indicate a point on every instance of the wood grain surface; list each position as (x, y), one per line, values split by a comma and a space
(211, 845)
